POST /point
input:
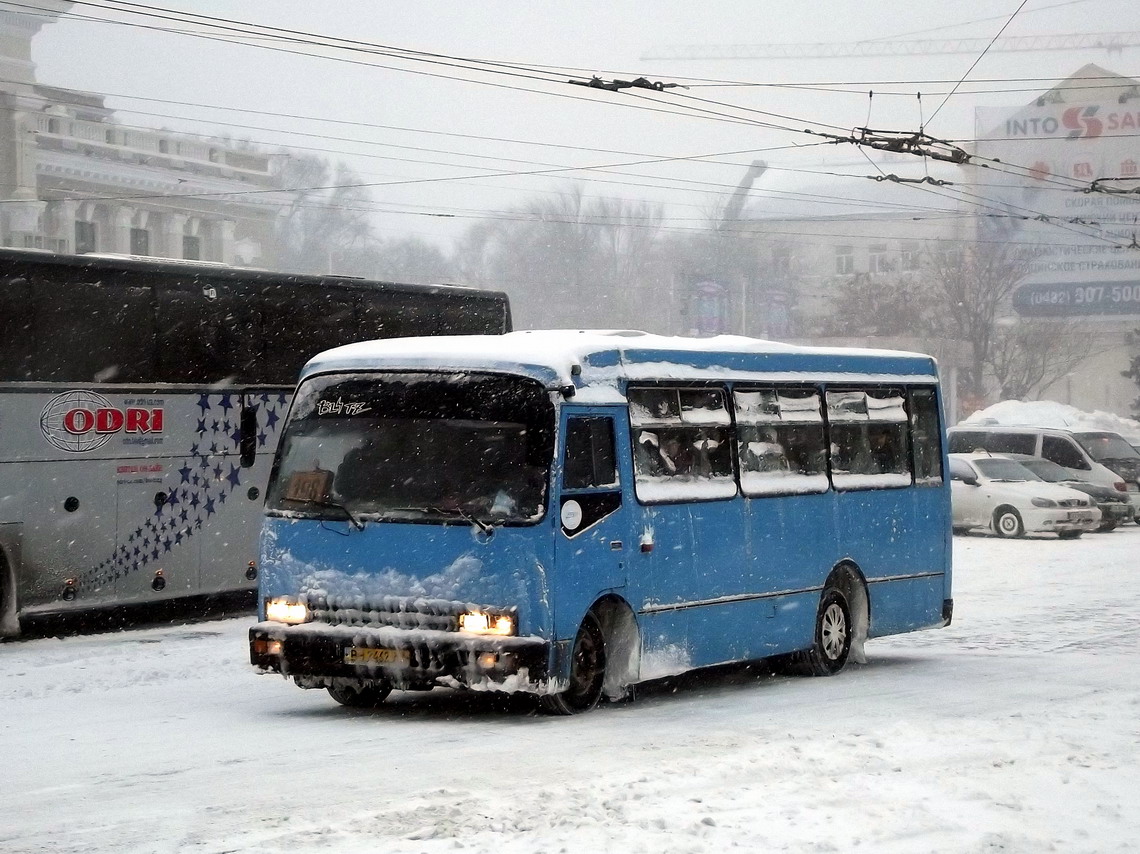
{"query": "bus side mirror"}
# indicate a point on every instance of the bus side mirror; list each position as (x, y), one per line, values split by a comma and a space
(247, 443)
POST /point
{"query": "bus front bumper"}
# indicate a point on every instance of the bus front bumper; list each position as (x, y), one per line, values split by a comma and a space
(314, 654)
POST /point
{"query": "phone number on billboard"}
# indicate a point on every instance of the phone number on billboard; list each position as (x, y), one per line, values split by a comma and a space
(1078, 299)
(1088, 295)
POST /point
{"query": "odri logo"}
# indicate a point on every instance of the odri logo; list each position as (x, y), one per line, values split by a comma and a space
(80, 421)
(1081, 121)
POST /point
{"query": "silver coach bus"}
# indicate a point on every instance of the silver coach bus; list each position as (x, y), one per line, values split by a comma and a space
(140, 403)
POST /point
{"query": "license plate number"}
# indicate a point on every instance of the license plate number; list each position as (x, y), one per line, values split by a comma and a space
(372, 655)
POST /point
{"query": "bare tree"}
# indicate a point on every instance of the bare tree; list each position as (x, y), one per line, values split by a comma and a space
(972, 288)
(1030, 355)
(327, 226)
(891, 305)
(570, 260)
(1133, 371)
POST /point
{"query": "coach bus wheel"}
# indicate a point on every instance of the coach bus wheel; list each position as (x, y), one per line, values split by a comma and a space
(833, 635)
(587, 672)
(1007, 522)
(359, 696)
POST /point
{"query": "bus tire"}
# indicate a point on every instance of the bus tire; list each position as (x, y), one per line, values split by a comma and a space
(587, 672)
(359, 696)
(834, 631)
(9, 623)
(1007, 522)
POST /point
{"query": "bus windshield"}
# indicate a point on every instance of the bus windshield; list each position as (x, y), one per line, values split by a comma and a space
(437, 448)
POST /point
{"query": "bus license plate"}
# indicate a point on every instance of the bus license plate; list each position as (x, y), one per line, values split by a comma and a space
(371, 655)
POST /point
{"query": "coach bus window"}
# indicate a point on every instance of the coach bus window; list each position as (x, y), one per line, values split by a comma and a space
(868, 431)
(18, 345)
(104, 329)
(681, 447)
(212, 337)
(780, 441)
(926, 444)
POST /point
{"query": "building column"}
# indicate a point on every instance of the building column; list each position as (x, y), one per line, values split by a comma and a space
(174, 227)
(225, 233)
(119, 240)
(23, 223)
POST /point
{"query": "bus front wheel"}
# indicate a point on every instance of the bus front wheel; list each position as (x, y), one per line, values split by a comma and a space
(587, 672)
(359, 696)
(833, 636)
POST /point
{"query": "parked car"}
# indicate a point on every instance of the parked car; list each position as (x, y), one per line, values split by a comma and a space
(1112, 451)
(1007, 498)
(1114, 506)
(1061, 446)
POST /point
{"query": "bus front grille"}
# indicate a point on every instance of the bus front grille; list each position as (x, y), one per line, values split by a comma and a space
(394, 611)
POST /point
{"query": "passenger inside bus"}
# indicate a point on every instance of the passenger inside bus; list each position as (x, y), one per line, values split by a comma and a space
(884, 450)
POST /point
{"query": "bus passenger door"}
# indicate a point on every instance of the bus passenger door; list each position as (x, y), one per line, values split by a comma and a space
(592, 529)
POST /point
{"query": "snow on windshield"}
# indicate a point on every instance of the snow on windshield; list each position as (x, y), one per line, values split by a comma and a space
(1004, 470)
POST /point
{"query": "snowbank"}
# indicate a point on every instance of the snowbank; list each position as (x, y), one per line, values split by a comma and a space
(1046, 413)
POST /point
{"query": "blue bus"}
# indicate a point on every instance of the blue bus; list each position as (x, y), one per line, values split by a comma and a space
(571, 513)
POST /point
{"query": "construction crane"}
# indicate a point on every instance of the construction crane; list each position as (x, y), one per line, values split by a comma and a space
(1112, 42)
(736, 201)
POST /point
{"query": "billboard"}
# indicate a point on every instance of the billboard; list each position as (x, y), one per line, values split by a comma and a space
(1086, 259)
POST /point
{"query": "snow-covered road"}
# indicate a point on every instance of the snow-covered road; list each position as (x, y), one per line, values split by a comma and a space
(1016, 730)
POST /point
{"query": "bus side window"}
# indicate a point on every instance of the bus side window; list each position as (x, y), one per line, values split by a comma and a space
(780, 441)
(868, 432)
(682, 448)
(926, 445)
(590, 459)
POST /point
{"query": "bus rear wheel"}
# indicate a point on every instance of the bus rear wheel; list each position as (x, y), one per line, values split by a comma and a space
(587, 672)
(833, 636)
(359, 696)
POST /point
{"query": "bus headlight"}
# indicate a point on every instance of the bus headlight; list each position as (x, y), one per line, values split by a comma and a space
(1044, 502)
(286, 609)
(480, 623)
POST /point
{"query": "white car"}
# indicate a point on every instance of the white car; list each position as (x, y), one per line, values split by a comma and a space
(1003, 495)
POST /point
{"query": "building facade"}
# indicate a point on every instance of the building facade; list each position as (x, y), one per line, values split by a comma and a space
(76, 180)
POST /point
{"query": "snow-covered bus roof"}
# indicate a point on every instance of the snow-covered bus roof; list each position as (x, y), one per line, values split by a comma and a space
(598, 363)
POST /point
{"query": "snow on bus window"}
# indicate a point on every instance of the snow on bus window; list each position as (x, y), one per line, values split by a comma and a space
(780, 441)
(868, 439)
(681, 445)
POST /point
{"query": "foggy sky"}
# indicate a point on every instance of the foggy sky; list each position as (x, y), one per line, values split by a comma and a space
(305, 93)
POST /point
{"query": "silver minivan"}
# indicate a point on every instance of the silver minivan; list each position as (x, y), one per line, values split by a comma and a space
(1082, 453)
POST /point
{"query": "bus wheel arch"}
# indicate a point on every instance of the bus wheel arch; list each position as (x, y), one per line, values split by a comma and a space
(850, 581)
(9, 623)
(841, 624)
(603, 661)
(623, 645)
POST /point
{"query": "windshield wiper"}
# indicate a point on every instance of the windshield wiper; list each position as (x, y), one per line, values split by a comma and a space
(439, 511)
(485, 527)
(324, 502)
